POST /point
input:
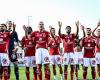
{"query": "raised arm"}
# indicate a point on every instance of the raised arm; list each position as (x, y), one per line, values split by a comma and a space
(53, 36)
(15, 34)
(25, 29)
(77, 28)
(59, 32)
(93, 33)
(82, 27)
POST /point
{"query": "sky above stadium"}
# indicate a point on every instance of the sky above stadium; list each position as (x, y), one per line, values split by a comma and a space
(50, 11)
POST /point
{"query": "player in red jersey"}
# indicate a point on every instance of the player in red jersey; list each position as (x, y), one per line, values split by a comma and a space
(42, 54)
(55, 58)
(78, 53)
(1, 67)
(68, 43)
(88, 44)
(97, 47)
(28, 44)
(4, 59)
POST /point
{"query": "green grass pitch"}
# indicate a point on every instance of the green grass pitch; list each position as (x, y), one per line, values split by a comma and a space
(23, 77)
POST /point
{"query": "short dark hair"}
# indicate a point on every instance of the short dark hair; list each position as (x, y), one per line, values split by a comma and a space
(88, 28)
(30, 28)
(4, 25)
(68, 27)
(52, 28)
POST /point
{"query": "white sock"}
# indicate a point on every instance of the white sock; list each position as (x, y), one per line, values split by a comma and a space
(62, 77)
(54, 76)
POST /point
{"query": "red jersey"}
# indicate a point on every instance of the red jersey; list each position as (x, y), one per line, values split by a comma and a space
(89, 47)
(4, 41)
(68, 42)
(54, 46)
(29, 46)
(97, 44)
(41, 38)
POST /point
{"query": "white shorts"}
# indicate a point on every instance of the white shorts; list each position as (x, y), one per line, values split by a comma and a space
(68, 58)
(98, 58)
(4, 59)
(78, 58)
(89, 62)
(42, 56)
(30, 61)
(55, 59)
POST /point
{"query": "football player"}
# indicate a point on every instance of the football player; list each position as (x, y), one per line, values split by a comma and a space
(97, 47)
(88, 44)
(28, 44)
(78, 53)
(68, 43)
(42, 55)
(4, 59)
(54, 51)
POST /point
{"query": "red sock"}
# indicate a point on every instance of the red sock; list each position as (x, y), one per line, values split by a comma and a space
(27, 73)
(71, 74)
(47, 74)
(35, 74)
(39, 74)
(76, 73)
(65, 74)
(93, 74)
(6, 75)
(84, 75)
(98, 70)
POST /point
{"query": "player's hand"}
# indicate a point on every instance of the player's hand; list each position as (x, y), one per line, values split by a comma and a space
(50, 27)
(77, 23)
(98, 24)
(82, 27)
(14, 25)
(59, 24)
(25, 28)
